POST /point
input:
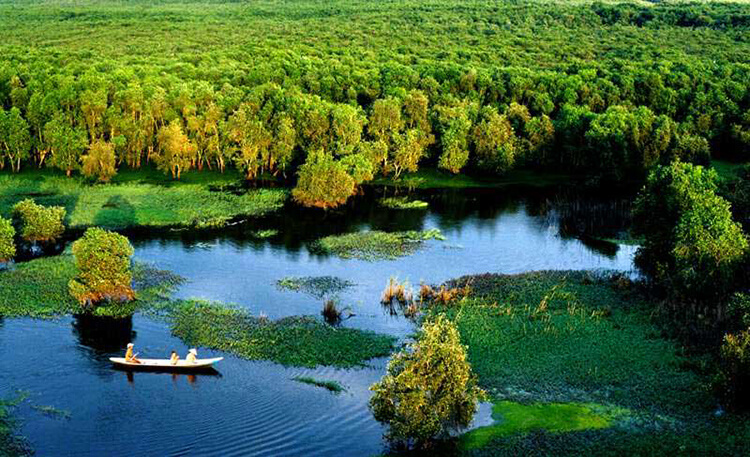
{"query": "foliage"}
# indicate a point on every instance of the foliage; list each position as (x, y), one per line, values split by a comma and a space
(734, 375)
(517, 418)
(323, 182)
(39, 223)
(133, 200)
(429, 389)
(103, 262)
(691, 243)
(7, 242)
(11, 445)
(293, 341)
(317, 286)
(402, 203)
(374, 245)
(99, 162)
(332, 386)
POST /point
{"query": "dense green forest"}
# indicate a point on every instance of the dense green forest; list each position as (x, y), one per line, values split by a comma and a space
(336, 93)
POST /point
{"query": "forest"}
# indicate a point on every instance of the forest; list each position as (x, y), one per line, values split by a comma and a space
(350, 91)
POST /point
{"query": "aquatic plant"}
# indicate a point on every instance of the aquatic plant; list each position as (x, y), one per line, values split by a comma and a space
(332, 386)
(39, 223)
(331, 313)
(374, 245)
(103, 261)
(7, 244)
(402, 203)
(11, 444)
(264, 234)
(53, 412)
(294, 341)
(733, 379)
(317, 286)
(429, 389)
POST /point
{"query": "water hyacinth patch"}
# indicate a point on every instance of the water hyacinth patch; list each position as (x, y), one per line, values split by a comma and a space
(375, 245)
(332, 386)
(317, 286)
(402, 203)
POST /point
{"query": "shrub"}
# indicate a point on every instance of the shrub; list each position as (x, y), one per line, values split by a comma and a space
(103, 261)
(39, 223)
(429, 389)
(7, 247)
(734, 377)
(323, 182)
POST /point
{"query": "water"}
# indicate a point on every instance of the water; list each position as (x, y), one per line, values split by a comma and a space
(256, 408)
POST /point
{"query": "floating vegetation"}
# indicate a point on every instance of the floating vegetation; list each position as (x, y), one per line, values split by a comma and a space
(375, 245)
(317, 286)
(11, 444)
(39, 288)
(332, 386)
(52, 412)
(402, 203)
(295, 341)
(264, 234)
(516, 418)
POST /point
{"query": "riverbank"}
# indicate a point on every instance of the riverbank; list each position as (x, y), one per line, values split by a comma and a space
(142, 198)
(586, 341)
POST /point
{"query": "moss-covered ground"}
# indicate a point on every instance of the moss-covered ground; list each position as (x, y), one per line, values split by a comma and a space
(141, 198)
(576, 366)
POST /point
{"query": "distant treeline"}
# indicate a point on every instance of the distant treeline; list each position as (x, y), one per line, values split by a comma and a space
(314, 88)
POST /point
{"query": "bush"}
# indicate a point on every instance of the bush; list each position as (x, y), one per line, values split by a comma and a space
(7, 247)
(323, 182)
(39, 223)
(103, 261)
(734, 378)
(429, 389)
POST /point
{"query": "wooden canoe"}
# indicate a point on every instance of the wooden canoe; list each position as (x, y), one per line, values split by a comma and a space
(165, 364)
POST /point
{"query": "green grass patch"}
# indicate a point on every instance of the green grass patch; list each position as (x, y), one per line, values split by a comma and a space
(138, 200)
(39, 288)
(375, 245)
(317, 286)
(514, 418)
(402, 203)
(332, 386)
(293, 341)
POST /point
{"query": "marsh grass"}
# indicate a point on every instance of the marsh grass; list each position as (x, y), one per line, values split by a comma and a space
(39, 288)
(518, 418)
(294, 341)
(317, 286)
(331, 313)
(374, 245)
(332, 386)
(137, 200)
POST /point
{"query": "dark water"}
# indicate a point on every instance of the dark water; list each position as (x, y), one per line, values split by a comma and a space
(255, 408)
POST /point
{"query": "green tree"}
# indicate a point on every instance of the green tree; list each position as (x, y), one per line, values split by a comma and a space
(175, 150)
(103, 261)
(65, 144)
(39, 223)
(454, 125)
(7, 244)
(99, 162)
(15, 139)
(323, 182)
(429, 389)
(495, 142)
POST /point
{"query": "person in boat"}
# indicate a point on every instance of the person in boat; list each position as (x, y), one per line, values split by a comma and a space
(174, 358)
(192, 355)
(129, 356)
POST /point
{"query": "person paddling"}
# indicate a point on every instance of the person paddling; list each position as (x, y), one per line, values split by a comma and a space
(129, 356)
(192, 354)
(174, 358)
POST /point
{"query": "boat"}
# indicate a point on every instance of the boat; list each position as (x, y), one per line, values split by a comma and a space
(166, 364)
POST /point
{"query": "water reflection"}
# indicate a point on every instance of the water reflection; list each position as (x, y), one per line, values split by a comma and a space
(104, 335)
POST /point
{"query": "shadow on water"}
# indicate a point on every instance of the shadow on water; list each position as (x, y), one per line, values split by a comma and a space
(104, 335)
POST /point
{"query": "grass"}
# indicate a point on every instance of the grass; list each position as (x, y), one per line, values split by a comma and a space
(293, 341)
(374, 245)
(514, 418)
(402, 203)
(139, 199)
(332, 386)
(317, 286)
(565, 341)
(39, 288)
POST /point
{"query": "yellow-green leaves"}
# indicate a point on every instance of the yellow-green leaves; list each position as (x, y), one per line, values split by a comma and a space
(39, 223)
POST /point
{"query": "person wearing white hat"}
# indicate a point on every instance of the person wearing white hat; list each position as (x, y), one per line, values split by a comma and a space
(192, 354)
(129, 356)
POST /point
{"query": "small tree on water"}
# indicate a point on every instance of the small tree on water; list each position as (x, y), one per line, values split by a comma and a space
(103, 261)
(429, 389)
